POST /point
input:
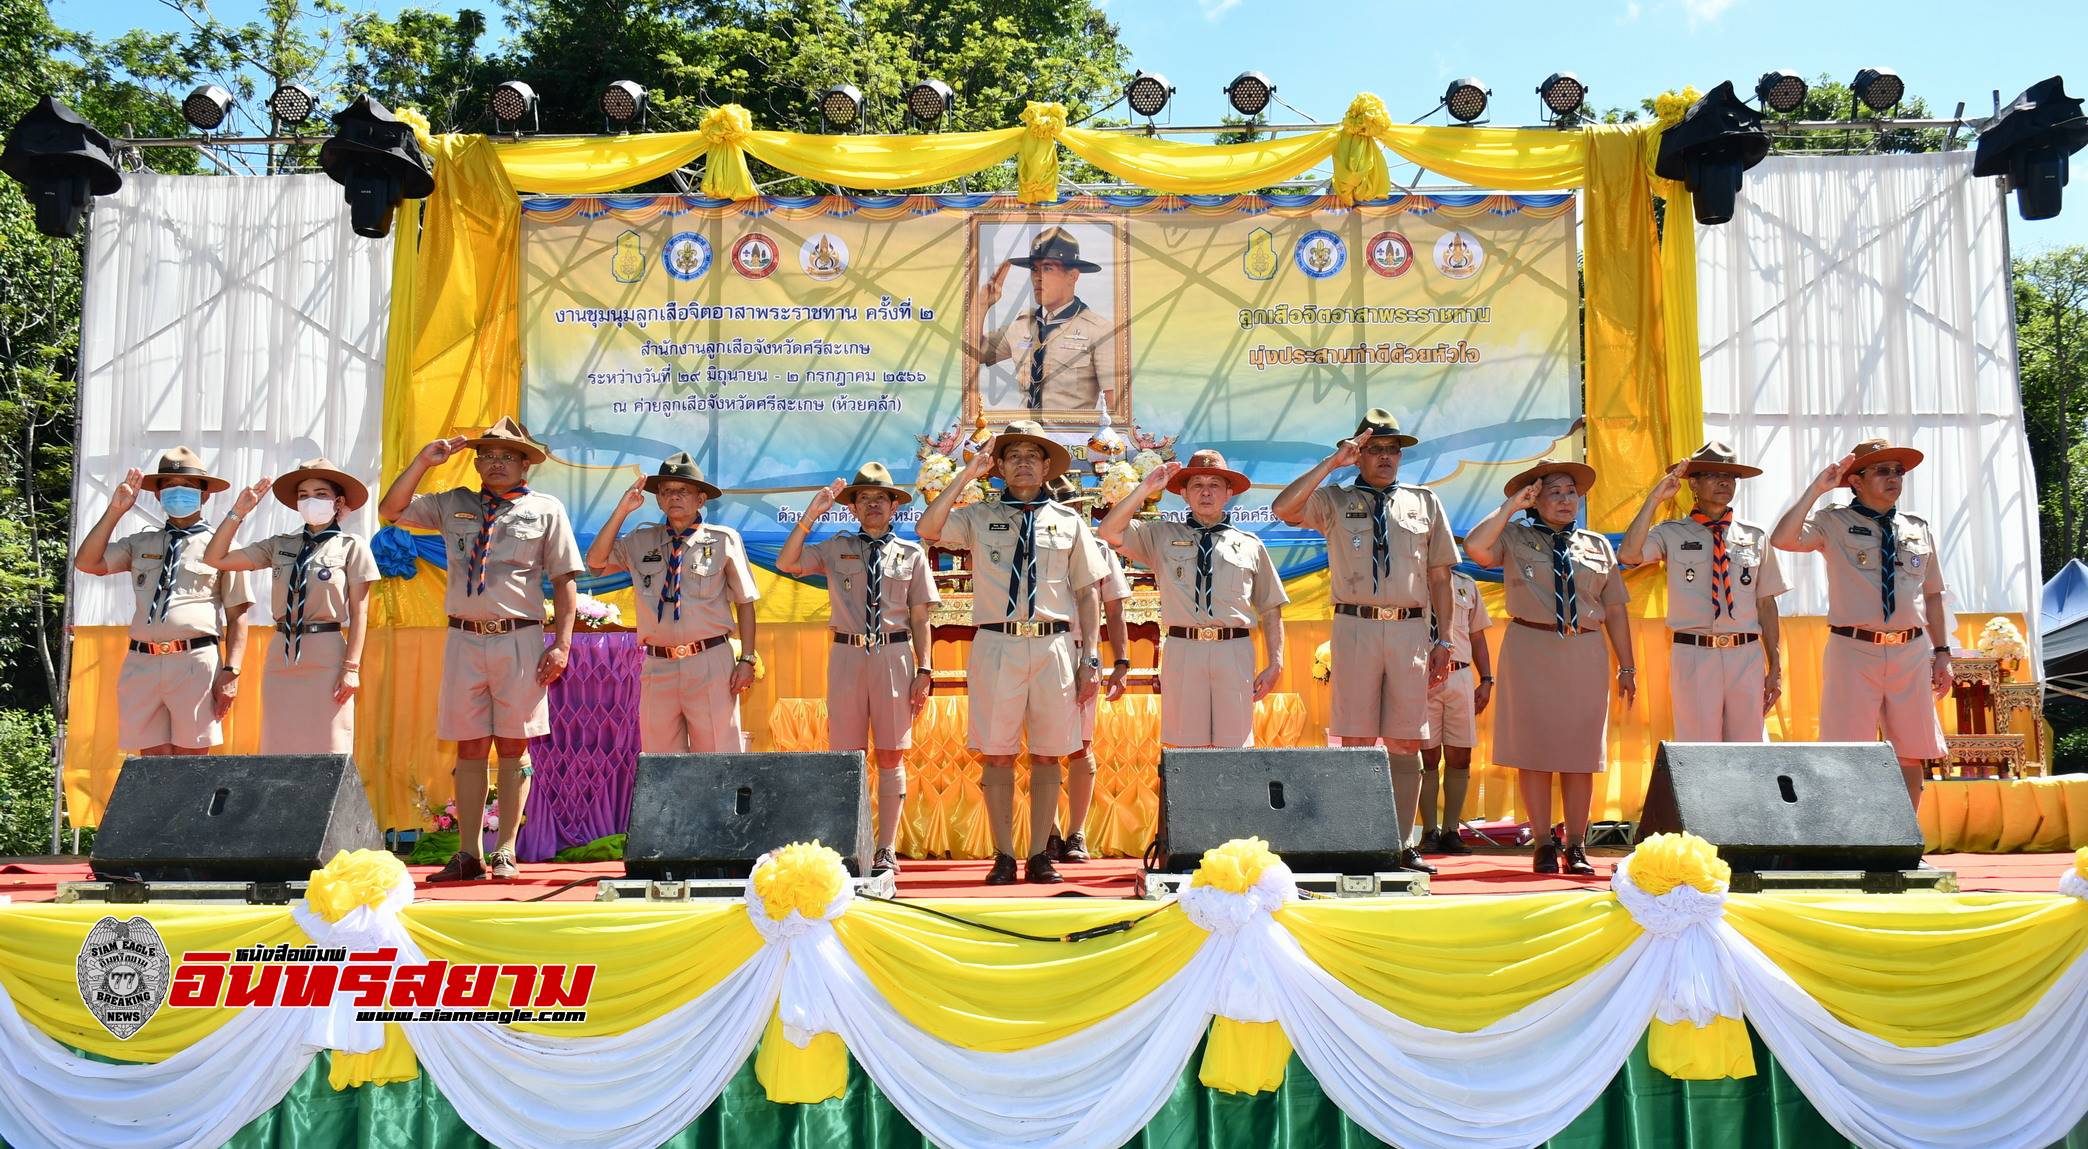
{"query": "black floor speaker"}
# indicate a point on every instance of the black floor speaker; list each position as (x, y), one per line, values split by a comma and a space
(1787, 805)
(1323, 810)
(232, 817)
(711, 815)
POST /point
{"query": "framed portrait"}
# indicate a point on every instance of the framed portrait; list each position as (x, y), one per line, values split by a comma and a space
(1048, 318)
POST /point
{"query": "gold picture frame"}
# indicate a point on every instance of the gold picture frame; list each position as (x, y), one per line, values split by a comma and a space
(975, 317)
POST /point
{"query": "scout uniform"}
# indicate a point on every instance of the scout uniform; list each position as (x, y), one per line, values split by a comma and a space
(1113, 586)
(872, 587)
(163, 692)
(314, 572)
(686, 589)
(501, 548)
(1452, 720)
(1063, 360)
(1876, 673)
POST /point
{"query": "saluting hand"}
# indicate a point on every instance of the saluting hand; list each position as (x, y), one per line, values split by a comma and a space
(1669, 485)
(1348, 454)
(633, 499)
(1526, 498)
(250, 497)
(979, 466)
(125, 496)
(823, 499)
(438, 452)
(1158, 478)
(1000, 278)
(1834, 474)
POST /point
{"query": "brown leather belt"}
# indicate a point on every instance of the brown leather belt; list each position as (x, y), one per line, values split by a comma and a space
(1715, 641)
(1027, 629)
(869, 640)
(1877, 637)
(1208, 633)
(1379, 613)
(1550, 627)
(174, 645)
(492, 625)
(309, 628)
(686, 649)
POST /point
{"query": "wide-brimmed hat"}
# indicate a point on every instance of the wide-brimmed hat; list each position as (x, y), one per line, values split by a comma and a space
(1065, 489)
(508, 433)
(351, 488)
(1378, 422)
(681, 468)
(1716, 456)
(1056, 457)
(1871, 452)
(181, 463)
(1583, 475)
(872, 476)
(1056, 243)
(1207, 462)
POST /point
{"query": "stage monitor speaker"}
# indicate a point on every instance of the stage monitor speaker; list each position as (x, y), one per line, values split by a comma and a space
(1324, 810)
(1787, 805)
(712, 815)
(232, 817)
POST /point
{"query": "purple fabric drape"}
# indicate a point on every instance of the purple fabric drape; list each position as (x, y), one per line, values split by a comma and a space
(584, 767)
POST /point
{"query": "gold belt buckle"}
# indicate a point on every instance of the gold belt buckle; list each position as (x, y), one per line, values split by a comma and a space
(866, 641)
(1892, 638)
(1027, 630)
(1387, 614)
(683, 649)
(1207, 633)
(1724, 641)
(165, 646)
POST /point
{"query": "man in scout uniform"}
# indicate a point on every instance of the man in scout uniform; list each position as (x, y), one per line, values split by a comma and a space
(1389, 552)
(880, 592)
(1031, 560)
(1216, 584)
(175, 686)
(1726, 669)
(1109, 593)
(1454, 706)
(694, 586)
(503, 541)
(1888, 648)
(1063, 351)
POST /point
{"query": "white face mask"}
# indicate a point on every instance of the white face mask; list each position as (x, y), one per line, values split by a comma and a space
(316, 512)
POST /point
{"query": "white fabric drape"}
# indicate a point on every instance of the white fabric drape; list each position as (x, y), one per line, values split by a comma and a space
(1856, 297)
(238, 315)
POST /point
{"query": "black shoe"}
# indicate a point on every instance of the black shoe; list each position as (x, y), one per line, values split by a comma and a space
(462, 867)
(1545, 860)
(1410, 859)
(1074, 849)
(1577, 862)
(1055, 846)
(885, 861)
(1003, 871)
(1449, 841)
(1042, 872)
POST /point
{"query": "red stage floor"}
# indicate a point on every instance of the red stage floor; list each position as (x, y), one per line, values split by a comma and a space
(36, 880)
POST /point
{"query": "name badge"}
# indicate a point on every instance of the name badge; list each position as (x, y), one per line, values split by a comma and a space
(1860, 530)
(467, 516)
(1180, 543)
(1354, 514)
(650, 557)
(152, 555)
(847, 558)
(998, 527)
(1693, 546)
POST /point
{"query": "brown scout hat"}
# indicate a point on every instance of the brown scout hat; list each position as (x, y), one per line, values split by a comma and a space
(1583, 475)
(350, 487)
(872, 477)
(1873, 451)
(680, 466)
(1379, 422)
(1056, 243)
(1716, 456)
(1056, 457)
(508, 433)
(181, 463)
(1207, 462)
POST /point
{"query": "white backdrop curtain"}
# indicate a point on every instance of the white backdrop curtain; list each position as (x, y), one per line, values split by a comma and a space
(1857, 297)
(238, 315)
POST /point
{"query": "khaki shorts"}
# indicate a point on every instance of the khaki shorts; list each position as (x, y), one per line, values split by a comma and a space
(1018, 686)
(1451, 706)
(164, 700)
(869, 697)
(1867, 689)
(686, 705)
(1380, 679)
(490, 688)
(1716, 695)
(1207, 693)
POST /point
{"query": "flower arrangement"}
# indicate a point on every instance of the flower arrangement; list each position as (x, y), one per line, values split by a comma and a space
(355, 880)
(936, 472)
(2001, 640)
(1323, 663)
(804, 877)
(1664, 861)
(592, 613)
(1118, 481)
(447, 818)
(1235, 866)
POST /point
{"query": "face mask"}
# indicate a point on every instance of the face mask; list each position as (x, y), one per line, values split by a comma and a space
(316, 512)
(180, 502)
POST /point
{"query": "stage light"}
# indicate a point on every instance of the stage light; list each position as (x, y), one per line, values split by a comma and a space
(1249, 93)
(62, 163)
(206, 107)
(929, 100)
(292, 104)
(1148, 93)
(841, 106)
(1466, 99)
(623, 104)
(513, 102)
(374, 156)
(2029, 142)
(1716, 140)
(1880, 89)
(1782, 91)
(1563, 94)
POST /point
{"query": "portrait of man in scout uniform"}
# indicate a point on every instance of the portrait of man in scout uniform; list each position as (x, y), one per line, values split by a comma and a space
(1726, 669)
(880, 592)
(1061, 349)
(1110, 592)
(188, 631)
(502, 541)
(1454, 706)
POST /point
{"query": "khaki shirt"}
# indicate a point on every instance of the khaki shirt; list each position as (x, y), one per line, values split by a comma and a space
(1079, 360)
(341, 562)
(532, 540)
(1069, 559)
(202, 598)
(1526, 571)
(715, 575)
(905, 582)
(1417, 533)
(1113, 586)
(1468, 613)
(1853, 548)
(1685, 545)
(1244, 582)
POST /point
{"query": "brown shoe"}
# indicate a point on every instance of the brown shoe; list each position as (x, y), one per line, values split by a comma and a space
(501, 864)
(1449, 841)
(885, 861)
(1545, 860)
(1577, 862)
(1074, 849)
(1003, 871)
(462, 867)
(1041, 871)
(1410, 860)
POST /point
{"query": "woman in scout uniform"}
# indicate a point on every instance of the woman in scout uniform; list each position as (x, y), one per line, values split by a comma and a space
(1564, 589)
(175, 687)
(1888, 644)
(321, 605)
(880, 593)
(503, 541)
(1722, 581)
(1063, 351)
(1110, 593)
(1454, 706)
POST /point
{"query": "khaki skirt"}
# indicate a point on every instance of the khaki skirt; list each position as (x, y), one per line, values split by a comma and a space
(1552, 713)
(298, 711)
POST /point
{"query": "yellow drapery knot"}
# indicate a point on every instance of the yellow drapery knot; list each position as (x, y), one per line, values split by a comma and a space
(1045, 121)
(1366, 116)
(423, 131)
(1668, 107)
(350, 880)
(724, 132)
(1664, 861)
(1235, 866)
(803, 876)
(727, 125)
(1036, 162)
(1360, 172)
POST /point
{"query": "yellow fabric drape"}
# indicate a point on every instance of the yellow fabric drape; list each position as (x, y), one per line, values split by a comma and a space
(1628, 434)
(880, 163)
(1200, 169)
(793, 1076)
(2006, 815)
(1244, 1056)
(390, 1062)
(1683, 1051)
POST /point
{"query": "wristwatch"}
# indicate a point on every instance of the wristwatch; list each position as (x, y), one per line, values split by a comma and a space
(1094, 663)
(230, 669)
(1123, 662)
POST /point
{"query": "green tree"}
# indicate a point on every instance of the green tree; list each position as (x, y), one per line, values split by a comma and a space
(2051, 295)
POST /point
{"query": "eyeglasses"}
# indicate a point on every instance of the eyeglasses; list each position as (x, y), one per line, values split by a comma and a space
(498, 457)
(1715, 475)
(1883, 470)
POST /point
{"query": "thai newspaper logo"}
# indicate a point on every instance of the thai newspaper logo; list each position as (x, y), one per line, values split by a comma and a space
(1458, 255)
(823, 256)
(627, 263)
(756, 256)
(1389, 254)
(1259, 260)
(687, 255)
(123, 974)
(1320, 253)
(378, 985)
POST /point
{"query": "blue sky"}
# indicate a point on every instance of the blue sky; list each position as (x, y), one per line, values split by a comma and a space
(1319, 55)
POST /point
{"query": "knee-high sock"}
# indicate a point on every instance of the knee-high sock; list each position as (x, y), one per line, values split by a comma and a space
(1080, 790)
(1430, 783)
(999, 784)
(470, 778)
(1457, 780)
(514, 798)
(1044, 796)
(1406, 792)
(891, 796)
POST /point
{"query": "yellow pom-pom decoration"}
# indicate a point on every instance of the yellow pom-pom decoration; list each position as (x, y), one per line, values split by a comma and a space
(2081, 863)
(1367, 116)
(1235, 866)
(1323, 662)
(360, 878)
(1044, 120)
(803, 876)
(1664, 861)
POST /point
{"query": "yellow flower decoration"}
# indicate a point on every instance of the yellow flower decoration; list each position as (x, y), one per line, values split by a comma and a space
(1235, 866)
(803, 876)
(423, 131)
(361, 878)
(1664, 861)
(1323, 663)
(1668, 107)
(727, 124)
(1045, 121)
(2081, 863)
(1366, 116)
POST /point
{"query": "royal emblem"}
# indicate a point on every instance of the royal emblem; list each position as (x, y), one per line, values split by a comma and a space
(123, 971)
(1389, 254)
(687, 255)
(627, 264)
(1320, 253)
(1259, 260)
(1459, 256)
(823, 256)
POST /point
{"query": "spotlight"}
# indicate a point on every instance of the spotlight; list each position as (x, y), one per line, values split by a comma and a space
(513, 102)
(206, 107)
(1466, 99)
(292, 104)
(1782, 91)
(928, 100)
(1249, 93)
(1148, 93)
(2029, 142)
(373, 155)
(623, 104)
(62, 163)
(1563, 94)
(1716, 140)
(841, 106)
(1880, 89)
